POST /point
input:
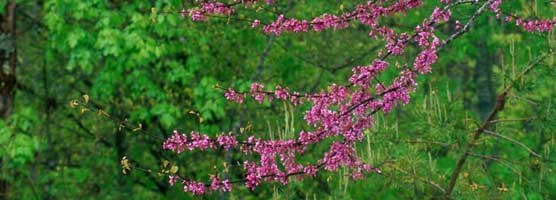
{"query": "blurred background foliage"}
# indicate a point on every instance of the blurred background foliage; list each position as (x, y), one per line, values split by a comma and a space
(143, 65)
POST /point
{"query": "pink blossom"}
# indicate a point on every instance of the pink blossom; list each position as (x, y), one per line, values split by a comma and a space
(538, 25)
(226, 186)
(281, 93)
(440, 15)
(339, 155)
(175, 143)
(296, 99)
(327, 21)
(310, 170)
(197, 15)
(215, 183)
(253, 178)
(495, 6)
(458, 25)
(424, 61)
(286, 25)
(395, 47)
(227, 141)
(232, 95)
(173, 180)
(199, 141)
(257, 92)
(288, 160)
(255, 23)
(424, 34)
(363, 74)
(197, 188)
(178, 142)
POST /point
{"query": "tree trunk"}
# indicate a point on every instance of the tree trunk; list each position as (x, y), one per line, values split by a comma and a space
(8, 59)
(483, 80)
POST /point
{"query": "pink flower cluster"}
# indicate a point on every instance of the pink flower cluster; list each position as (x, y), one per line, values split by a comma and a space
(537, 25)
(200, 188)
(257, 91)
(543, 25)
(212, 7)
(286, 25)
(232, 95)
(363, 74)
(340, 155)
(227, 141)
(368, 14)
(427, 40)
(396, 46)
(180, 142)
(259, 94)
(440, 15)
(495, 6)
(343, 155)
(206, 9)
(327, 21)
(253, 2)
(281, 93)
(424, 61)
(403, 85)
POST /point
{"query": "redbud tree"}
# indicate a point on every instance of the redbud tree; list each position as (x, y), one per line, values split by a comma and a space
(339, 113)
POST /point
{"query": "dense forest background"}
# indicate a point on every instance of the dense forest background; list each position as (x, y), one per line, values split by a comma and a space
(145, 71)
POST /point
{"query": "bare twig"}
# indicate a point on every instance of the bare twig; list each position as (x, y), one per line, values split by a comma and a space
(429, 142)
(434, 184)
(260, 65)
(497, 159)
(514, 141)
(512, 120)
(467, 25)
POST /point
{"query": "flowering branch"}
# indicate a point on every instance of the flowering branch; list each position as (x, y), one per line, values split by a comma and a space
(342, 112)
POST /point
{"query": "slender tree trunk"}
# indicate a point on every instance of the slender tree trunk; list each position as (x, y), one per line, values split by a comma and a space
(8, 60)
(467, 86)
(483, 80)
(486, 87)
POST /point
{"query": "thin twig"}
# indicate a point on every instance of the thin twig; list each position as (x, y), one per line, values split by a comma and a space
(434, 184)
(512, 120)
(429, 142)
(494, 158)
(266, 50)
(514, 141)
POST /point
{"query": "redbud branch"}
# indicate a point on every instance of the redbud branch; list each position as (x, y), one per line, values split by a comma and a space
(364, 102)
(431, 23)
(467, 25)
(277, 28)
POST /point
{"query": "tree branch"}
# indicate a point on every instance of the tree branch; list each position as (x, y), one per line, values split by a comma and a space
(499, 106)
(260, 65)
(434, 184)
(513, 141)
